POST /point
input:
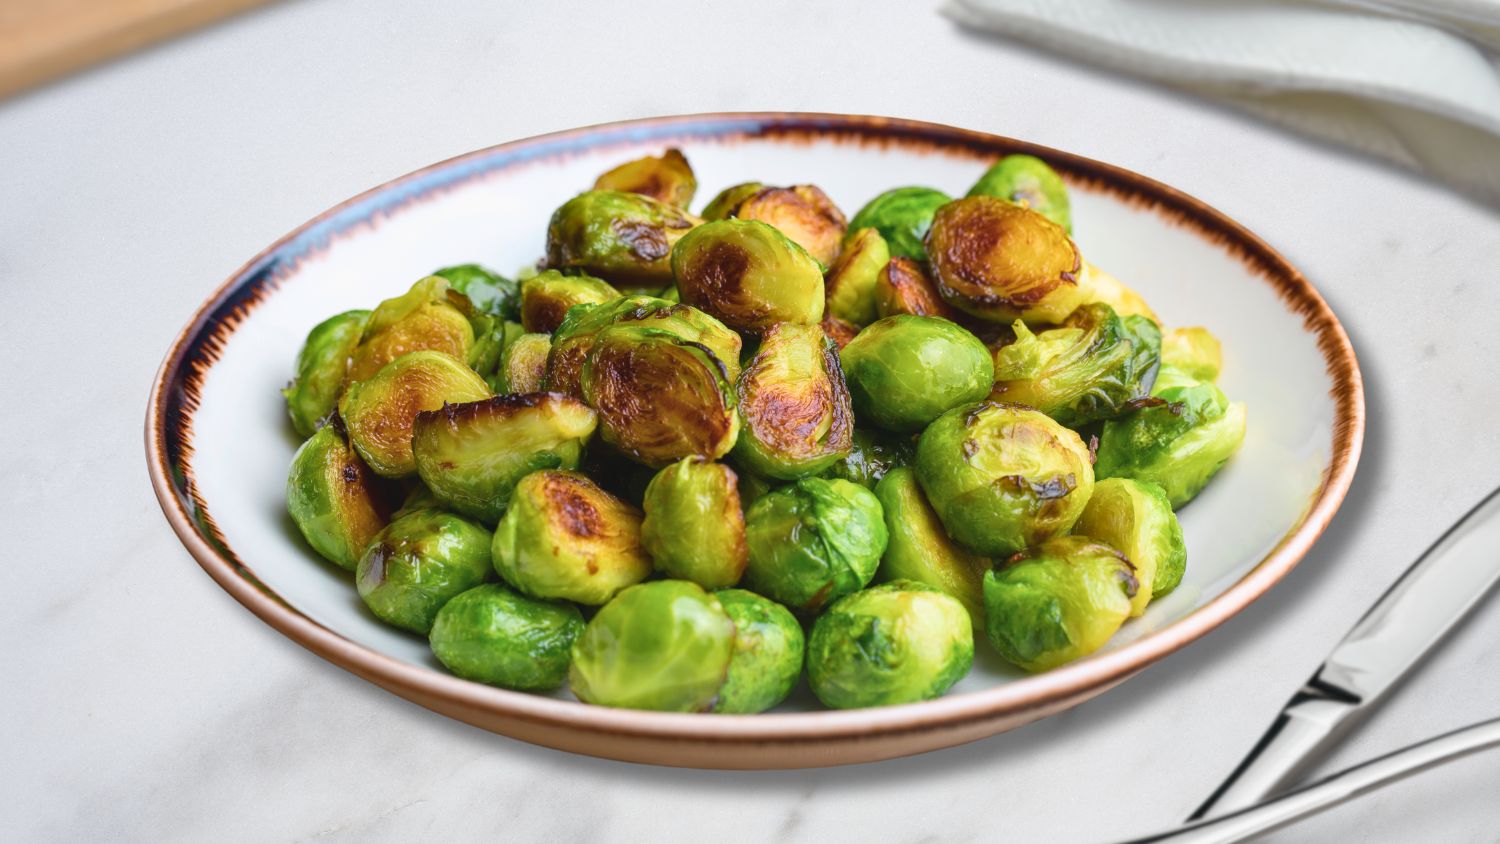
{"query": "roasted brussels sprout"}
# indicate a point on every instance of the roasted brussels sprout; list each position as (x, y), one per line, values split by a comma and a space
(794, 410)
(624, 238)
(336, 502)
(813, 541)
(1193, 351)
(1057, 602)
(902, 216)
(420, 562)
(694, 527)
(666, 178)
(1178, 442)
(423, 318)
(1099, 286)
(1090, 369)
(546, 298)
(1002, 262)
(523, 364)
(899, 642)
(748, 274)
(850, 283)
(722, 206)
(660, 398)
(490, 292)
(321, 366)
(905, 371)
(564, 537)
(871, 455)
(493, 635)
(1136, 519)
(664, 645)
(838, 331)
(1027, 181)
(803, 213)
(574, 339)
(472, 455)
(768, 646)
(1002, 477)
(379, 411)
(902, 287)
(919, 549)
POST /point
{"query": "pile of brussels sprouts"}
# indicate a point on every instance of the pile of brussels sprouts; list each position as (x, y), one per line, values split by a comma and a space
(690, 455)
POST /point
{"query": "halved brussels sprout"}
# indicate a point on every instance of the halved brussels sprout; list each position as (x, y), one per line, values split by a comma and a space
(622, 237)
(902, 287)
(1099, 286)
(664, 645)
(899, 642)
(660, 398)
(564, 537)
(546, 298)
(838, 331)
(813, 541)
(1137, 519)
(919, 548)
(803, 213)
(902, 216)
(872, 454)
(321, 366)
(574, 339)
(850, 283)
(337, 503)
(905, 371)
(722, 206)
(694, 527)
(379, 411)
(493, 635)
(1057, 602)
(768, 646)
(666, 178)
(420, 562)
(1003, 477)
(1179, 442)
(1193, 351)
(794, 410)
(523, 364)
(748, 274)
(472, 455)
(1002, 262)
(1090, 369)
(1027, 181)
(424, 317)
(490, 292)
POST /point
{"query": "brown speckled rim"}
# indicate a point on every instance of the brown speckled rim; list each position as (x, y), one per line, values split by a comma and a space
(772, 740)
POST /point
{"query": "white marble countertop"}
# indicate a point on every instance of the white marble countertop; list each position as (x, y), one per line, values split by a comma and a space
(140, 702)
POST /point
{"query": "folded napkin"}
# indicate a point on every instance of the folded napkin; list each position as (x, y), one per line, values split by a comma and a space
(1413, 81)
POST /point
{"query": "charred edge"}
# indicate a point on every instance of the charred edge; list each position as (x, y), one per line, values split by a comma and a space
(1049, 490)
(647, 242)
(841, 426)
(720, 271)
(499, 406)
(569, 497)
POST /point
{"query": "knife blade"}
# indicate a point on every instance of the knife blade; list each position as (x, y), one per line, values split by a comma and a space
(1419, 609)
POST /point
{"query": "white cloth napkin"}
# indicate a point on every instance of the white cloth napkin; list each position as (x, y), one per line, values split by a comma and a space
(1413, 81)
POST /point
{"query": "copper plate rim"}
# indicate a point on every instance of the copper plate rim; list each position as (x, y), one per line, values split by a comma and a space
(806, 729)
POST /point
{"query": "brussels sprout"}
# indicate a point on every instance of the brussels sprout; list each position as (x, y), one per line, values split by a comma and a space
(723, 205)
(664, 645)
(666, 178)
(490, 292)
(899, 642)
(1027, 181)
(794, 410)
(1002, 477)
(1057, 602)
(748, 274)
(902, 216)
(660, 398)
(523, 364)
(472, 455)
(574, 339)
(420, 562)
(919, 548)
(1170, 377)
(872, 454)
(1193, 351)
(803, 213)
(1099, 286)
(337, 503)
(1002, 262)
(546, 298)
(1137, 519)
(564, 537)
(838, 331)
(425, 317)
(902, 287)
(623, 237)
(321, 365)
(379, 411)
(1178, 442)
(768, 646)
(490, 634)
(694, 527)
(905, 371)
(850, 283)
(1090, 369)
(813, 542)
